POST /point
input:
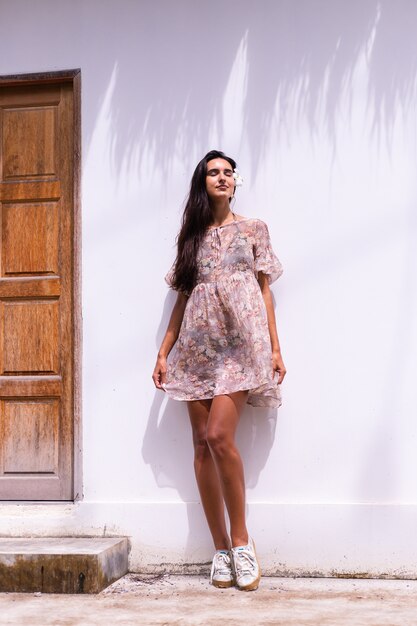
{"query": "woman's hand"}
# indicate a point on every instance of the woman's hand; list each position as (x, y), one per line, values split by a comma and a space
(171, 335)
(278, 366)
(277, 362)
(160, 372)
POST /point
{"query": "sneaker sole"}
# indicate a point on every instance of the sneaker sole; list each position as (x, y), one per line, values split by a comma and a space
(222, 584)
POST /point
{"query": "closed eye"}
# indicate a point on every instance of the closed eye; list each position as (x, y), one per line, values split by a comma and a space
(215, 172)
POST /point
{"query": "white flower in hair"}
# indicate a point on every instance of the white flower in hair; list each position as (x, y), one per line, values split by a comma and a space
(238, 178)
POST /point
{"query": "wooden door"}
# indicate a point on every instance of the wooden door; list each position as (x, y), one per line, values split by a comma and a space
(36, 291)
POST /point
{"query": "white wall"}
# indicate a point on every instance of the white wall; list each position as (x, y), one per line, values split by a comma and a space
(317, 102)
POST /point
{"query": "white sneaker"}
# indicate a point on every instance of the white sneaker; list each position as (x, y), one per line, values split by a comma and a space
(247, 570)
(221, 570)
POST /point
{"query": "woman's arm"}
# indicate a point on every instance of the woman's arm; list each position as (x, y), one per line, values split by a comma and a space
(171, 336)
(277, 362)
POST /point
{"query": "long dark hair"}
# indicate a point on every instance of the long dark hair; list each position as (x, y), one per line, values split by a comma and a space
(196, 218)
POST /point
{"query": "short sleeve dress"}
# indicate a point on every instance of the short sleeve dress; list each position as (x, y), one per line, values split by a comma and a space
(224, 344)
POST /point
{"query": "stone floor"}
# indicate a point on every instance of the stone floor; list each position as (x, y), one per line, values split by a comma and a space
(186, 600)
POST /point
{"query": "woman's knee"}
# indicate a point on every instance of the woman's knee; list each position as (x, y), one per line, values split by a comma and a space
(201, 448)
(219, 443)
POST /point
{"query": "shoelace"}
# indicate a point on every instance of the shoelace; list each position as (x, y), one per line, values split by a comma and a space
(222, 563)
(245, 562)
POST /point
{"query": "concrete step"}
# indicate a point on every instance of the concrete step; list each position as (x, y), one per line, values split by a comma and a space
(62, 565)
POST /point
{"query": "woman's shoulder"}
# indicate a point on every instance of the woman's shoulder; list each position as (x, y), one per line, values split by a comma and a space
(245, 218)
(252, 222)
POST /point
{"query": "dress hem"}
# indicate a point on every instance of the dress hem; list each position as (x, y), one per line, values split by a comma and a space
(252, 395)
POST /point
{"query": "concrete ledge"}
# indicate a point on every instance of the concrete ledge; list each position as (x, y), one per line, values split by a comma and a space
(61, 565)
(362, 539)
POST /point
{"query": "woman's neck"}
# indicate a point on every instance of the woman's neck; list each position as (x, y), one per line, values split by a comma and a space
(221, 212)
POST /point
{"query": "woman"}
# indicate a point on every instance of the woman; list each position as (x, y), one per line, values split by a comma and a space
(227, 351)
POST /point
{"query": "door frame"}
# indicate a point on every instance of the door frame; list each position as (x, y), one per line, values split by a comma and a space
(72, 76)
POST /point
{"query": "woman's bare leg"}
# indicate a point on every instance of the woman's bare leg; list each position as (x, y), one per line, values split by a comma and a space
(207, 478)
(222, 422)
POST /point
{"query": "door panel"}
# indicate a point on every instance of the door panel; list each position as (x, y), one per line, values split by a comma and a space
(31, 425)
(36, 291)
(30, 238)
(34, 129)
(30, 337)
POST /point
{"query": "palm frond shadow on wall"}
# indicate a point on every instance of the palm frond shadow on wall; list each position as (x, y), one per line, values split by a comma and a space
(173, 67)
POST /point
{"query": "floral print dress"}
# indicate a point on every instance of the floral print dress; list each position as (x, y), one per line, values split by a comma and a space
(224, 344)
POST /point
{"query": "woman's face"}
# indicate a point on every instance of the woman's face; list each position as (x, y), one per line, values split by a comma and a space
(219, 179)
